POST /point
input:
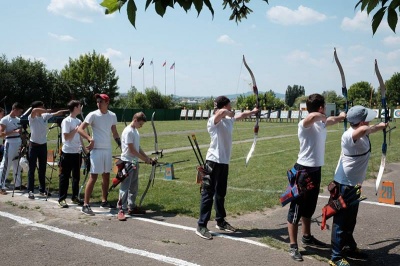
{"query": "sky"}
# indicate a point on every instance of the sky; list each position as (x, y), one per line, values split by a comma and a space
(285, 43)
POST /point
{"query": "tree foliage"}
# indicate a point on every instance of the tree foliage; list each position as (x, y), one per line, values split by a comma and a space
(150, 99)
(89, 74)
(360, 93)
(292, 93)
(240, 10)
(393, 90)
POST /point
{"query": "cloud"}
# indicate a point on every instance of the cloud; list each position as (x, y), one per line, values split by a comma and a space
(112, 53)
(302, 16)
(392, 40)
(360, 21)
(63, 38)
(34, 58)
(394, 55)
(225, 39)
(80, 10)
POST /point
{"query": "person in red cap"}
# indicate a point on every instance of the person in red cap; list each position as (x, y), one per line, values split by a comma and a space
(103, 122)
(220, 127)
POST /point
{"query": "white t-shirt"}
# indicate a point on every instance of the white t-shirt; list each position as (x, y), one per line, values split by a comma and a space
(312, 144)
(129, 135)
(38, 127)
(11, 124)
(352, 170)
(221, 140)
(101, 127)
(67, 125)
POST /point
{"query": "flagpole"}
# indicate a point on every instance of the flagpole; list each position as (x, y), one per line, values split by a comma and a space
(174, 81)
(143, 80)
(130, 65)
(152, 64)
(165, 79)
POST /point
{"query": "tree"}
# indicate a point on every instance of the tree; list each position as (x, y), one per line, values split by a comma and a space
(292, 93)
(360, 93)
(240, 9)
(208, 104)
(90, 74)
(393, 90)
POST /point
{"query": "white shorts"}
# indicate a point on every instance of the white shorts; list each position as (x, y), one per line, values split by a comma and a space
(100, 161)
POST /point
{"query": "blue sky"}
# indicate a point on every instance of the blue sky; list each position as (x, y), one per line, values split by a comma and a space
(285, 43)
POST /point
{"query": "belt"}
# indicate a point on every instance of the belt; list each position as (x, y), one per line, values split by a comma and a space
(13, 137)
(33, 144)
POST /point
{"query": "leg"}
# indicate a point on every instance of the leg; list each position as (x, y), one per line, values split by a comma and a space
(221, 177)
(104, 186)
(133, 187)
(42, 157)
(32, 158)
(65, 168)
(89, 188)
(76, 174)
(5, 166)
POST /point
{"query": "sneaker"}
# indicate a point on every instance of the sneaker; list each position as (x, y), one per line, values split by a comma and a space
(136, 211)
(45, 193)
(107, 205)
(63, 204)
(121, 216)
(355, 253)
(31, 195)
(77, 201)
(312, 241)
(295, 254)
(21, 187)
(203, 232)
(225, 226)
(87, 210)
(3, 192)
(341, 262)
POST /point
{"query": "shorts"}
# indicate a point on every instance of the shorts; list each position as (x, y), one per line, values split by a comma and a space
(100, 161)
(304, 206)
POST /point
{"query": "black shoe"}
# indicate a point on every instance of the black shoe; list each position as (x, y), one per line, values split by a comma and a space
(295, 254)
(31, 195)
(77, 201)
(203, 232)
(107, 205)
(225, 226)
(313, 242)
(355, 253)
(45, 193)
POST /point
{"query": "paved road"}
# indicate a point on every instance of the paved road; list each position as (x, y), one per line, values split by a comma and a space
(39, 233)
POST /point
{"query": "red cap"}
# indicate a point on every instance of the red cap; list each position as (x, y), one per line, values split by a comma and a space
(102, 96)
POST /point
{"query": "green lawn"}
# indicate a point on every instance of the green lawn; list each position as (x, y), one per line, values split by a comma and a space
(251, 188)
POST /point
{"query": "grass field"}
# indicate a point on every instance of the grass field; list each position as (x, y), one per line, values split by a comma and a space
(251, 188)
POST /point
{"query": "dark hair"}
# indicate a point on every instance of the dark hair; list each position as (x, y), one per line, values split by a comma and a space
(1, 110)
(17, 105)
(72, 104)
(140, 116)
(36, 104)
(220, 102)
(314, 102)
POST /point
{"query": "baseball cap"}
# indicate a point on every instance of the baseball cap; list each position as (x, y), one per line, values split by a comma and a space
(102, 96)
(221, 101)
(359, 113)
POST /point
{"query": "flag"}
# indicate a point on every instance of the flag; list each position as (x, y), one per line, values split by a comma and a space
(172, 66)
(129, 61)
(164, 64)
(141, 63)
(151, 62)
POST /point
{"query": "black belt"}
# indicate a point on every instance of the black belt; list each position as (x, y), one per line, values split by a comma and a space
(33, 144)
(13, 137)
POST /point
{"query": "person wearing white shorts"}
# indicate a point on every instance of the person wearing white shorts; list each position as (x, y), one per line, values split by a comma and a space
(103, 123)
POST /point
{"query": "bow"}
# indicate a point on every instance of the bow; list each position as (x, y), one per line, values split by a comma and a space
(386, 110)
(344, 89)
(256, 127)
(154, 164)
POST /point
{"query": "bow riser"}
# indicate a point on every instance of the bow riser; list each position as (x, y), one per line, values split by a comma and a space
(344, 88)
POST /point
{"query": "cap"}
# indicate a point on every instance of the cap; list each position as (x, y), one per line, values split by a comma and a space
(102, 96)
(221, 101)
(359, 113)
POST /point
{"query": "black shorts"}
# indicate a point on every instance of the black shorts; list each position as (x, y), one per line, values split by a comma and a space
(304, 206)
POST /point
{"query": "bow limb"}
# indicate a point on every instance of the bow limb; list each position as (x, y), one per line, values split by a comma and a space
(344, 88)
(154, 163)
(256, 126)
(384, 145)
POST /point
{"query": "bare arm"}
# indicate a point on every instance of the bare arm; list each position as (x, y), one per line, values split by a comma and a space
(4, 133)
(367, 130)
(70, 135)
(140, 154)
(313, 117)
(114, 131)
(246, 114)
(335, 119)
(82, 132)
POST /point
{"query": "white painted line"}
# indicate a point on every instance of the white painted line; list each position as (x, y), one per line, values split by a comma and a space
(108, 244)
(231, 237)
(370, 202)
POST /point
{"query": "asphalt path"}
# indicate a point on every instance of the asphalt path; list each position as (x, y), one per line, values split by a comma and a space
(38, 232)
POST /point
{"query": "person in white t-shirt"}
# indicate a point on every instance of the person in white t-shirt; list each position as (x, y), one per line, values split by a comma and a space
(131, 152)
(38, 120)
(220, 127)
(351, 171)
(1, 139)
(10, 129)
(70, 159)
(312, 136)
(103, 123)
